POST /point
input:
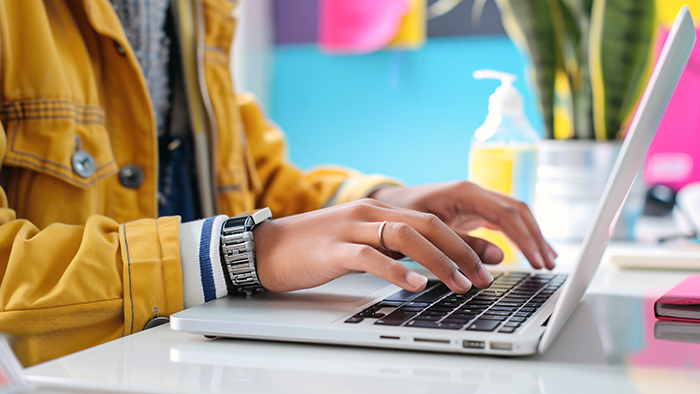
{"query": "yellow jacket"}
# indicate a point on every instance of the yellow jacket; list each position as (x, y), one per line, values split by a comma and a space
(83, 258)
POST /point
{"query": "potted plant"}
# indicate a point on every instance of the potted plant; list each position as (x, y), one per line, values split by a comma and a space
(589, 63)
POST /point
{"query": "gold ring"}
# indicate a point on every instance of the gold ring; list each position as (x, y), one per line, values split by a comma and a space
(381, 230)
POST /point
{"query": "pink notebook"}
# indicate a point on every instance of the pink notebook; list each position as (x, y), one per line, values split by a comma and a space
(682, 303)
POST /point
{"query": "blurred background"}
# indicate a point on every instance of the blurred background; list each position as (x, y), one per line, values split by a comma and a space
(386, 86)
(410, 114)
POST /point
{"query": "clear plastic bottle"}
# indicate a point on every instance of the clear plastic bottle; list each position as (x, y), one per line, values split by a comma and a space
(503, 155)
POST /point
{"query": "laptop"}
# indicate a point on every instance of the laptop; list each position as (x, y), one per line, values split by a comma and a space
(520, 314)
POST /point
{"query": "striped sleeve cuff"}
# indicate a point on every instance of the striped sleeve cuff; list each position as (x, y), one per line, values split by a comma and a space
(202, 274)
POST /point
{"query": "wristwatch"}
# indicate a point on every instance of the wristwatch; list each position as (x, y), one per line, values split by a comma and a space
(238, 251)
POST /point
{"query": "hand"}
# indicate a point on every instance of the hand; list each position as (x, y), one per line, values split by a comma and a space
(310, 249)
(465, 206)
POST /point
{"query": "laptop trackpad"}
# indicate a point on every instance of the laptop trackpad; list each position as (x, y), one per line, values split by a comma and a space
(343, 295)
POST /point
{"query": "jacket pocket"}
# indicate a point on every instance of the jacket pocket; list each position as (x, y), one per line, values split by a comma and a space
(59, 138)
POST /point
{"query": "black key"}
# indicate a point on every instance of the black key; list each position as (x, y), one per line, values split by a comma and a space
(459, 322)
(513, 299)
(433, 295)
(477, 307)
(483, 325)
(409, 309)
(533, 304)
(370, 312)
(545, 276)
(395, 318)
(438, 308)
(479, 302)
(458, 315)
(400, 296)
(377, 315)
(432, 324)
(435, 313)
(389, 304)
(417, 304)
(497, 313)
(523, 314)
(428, 317)
(486, 297)
(518, 319)
(354, 319)
(507, 330)
(509, 304)
(492, 317)
(512, 324)
(449, 304)
(503, 308)
(516, 296)
(469, 311)
(422, 324)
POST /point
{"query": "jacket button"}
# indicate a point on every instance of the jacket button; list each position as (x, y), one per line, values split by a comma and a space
(155, 322)
(83, 164)
(131, 176)
(119, 48)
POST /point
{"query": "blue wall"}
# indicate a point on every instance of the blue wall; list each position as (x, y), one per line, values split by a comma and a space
(410, 115)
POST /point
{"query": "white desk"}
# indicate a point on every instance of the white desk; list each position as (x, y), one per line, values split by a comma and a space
(608, 346)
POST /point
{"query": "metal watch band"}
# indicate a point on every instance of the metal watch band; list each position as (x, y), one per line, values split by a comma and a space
(238, 252)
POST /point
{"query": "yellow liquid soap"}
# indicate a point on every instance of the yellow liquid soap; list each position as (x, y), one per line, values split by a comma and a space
(507, 170)
(503, 155)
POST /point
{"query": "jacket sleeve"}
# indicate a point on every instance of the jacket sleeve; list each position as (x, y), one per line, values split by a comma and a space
(285, 188)
(68, 287)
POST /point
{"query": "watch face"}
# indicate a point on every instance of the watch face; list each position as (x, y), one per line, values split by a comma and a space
(249, 219)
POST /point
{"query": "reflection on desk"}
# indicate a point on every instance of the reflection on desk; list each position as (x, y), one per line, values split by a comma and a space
(608, 346)
(677, 331)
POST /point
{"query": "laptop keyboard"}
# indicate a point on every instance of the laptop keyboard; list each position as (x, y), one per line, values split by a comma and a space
(506, 305)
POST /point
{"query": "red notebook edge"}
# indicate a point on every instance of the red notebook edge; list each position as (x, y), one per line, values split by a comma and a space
(685, 293)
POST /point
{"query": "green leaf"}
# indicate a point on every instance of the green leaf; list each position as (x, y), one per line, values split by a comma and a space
(621, 45)
(531, 26)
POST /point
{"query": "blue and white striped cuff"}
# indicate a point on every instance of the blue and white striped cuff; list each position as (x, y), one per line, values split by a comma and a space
(202, 275)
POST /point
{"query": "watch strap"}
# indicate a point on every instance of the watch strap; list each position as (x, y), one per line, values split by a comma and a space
(238, 252)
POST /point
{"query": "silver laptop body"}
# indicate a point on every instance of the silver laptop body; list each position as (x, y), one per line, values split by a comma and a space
(354, 310)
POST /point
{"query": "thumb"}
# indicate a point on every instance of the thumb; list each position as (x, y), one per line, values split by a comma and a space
(488, 252)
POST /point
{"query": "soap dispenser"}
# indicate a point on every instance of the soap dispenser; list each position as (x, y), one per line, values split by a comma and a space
(503, 155)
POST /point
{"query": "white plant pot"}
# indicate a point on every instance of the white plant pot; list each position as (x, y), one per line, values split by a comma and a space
(571, 177)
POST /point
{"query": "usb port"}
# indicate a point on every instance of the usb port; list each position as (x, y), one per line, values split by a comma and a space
(473, 344)
(501, 346)
(389, 337)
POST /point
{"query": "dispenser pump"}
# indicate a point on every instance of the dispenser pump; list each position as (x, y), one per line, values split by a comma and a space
(506, 100)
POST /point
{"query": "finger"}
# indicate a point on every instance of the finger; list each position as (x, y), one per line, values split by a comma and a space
(403, 238)
(529, 219)
(508, 218)
(367, 259)
(488, 252)
(429, 241)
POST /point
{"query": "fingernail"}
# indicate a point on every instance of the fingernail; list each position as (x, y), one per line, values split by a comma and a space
(416, 280)
(552, 257)
(461, 280)
(485, 275)
(493, 254)
(539, 261)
